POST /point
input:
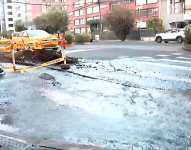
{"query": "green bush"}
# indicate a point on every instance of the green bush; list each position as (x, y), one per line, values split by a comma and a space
(6, 34)
(187, 33)
(69, 38)
(82, 37)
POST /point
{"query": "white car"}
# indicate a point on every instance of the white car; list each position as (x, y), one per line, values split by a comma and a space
(170, 35)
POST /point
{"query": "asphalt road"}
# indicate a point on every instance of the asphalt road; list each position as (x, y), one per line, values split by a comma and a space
(170, 53)
(126, 98)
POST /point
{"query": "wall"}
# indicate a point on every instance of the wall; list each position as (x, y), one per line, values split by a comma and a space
(164, 12)
(134, 35)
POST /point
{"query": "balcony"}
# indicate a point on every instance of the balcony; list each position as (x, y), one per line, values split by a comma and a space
(177, 8)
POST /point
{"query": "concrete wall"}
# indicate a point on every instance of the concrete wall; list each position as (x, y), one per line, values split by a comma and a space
(134, 35)
(164, 13)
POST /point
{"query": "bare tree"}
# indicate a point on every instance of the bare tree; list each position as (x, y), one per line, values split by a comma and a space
(120, 19)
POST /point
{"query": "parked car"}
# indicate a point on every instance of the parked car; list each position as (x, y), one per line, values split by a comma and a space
(170, 35)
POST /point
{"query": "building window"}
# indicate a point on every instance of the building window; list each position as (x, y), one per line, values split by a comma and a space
(70, 21)
(64, 7)
(9, 7)
(9, 1)
(10, 25)
(128, 1)
(79, 12)
(151, 1)
(70, 4)
(88, 29)
(10, 13)
(82, 21)
(71, 30)
(78, 3)
(83, 30)
(152, 12)
(77, 30)
(10, 19)
(79, 22)
(89, 10)
(176, 7)
(96, 9)
(140, 2)
(76, 22)
(70, 13)
(88, 19)
(19, 15)
(28, 7)
(91, 1)
(103, 6)
(97, 17)
(147, 12)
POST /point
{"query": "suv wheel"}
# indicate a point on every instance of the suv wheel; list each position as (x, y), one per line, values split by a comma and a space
(179, 39)
(159, 39)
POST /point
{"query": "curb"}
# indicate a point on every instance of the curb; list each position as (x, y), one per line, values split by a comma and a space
(186, 49)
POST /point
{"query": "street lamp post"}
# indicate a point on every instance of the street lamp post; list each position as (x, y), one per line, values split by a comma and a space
(100, 37)
(139, 23)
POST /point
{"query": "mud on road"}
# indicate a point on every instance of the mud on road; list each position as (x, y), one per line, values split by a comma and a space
(97, 103)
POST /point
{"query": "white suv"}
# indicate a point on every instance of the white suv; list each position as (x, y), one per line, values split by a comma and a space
(170, 35)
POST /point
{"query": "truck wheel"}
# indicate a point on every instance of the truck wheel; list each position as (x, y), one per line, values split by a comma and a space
(179, 39)
(159, 39)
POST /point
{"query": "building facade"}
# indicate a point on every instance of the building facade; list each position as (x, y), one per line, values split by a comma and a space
(178, 13)
(7, 15)
(146, 10)
(174, 13)
(27, 10)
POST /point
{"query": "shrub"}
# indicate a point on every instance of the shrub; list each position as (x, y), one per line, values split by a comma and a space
(69, 38)
(6, 34)
(82, 37)
(187, 33)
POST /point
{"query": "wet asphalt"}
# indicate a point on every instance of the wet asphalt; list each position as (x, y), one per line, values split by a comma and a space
(119, 100)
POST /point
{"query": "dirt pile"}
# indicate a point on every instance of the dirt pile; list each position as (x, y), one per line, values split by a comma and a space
(34, 56)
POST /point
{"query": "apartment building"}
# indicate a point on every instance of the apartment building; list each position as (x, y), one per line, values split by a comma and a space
(27, 10)
(146, 10)
(80, 11)
(178, 13)
(7, 15)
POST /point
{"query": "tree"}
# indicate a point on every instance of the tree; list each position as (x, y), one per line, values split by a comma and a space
(120, 19)
(156, 24)
(20, 27)
(54, 20)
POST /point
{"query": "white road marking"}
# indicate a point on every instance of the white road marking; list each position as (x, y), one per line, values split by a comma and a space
(177, 61)
(176, 53)
(183, 57)
(163, 55)
(167, 65)
(81, 50)
(145, 57)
